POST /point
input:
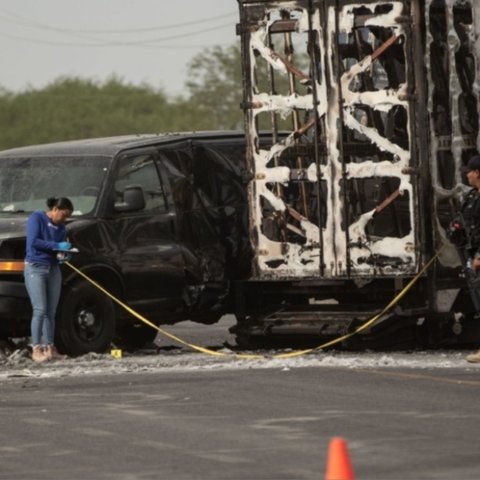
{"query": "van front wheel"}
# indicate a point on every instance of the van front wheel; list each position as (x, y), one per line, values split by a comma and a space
(85, 320)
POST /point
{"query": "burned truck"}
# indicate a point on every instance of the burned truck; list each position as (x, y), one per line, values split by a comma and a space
(373, 110)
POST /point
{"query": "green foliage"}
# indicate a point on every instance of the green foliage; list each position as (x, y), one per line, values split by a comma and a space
(75, 108)
(214, 80)
(72, 108)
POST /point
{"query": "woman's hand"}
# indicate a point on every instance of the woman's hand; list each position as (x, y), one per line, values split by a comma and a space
(65, 258)
(64, 246)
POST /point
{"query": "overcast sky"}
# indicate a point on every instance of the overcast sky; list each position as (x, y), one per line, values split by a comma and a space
(138, 40)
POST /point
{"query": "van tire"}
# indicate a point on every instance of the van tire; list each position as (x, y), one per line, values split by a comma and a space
(85, 320)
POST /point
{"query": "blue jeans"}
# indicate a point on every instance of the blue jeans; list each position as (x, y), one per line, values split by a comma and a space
(44, 283)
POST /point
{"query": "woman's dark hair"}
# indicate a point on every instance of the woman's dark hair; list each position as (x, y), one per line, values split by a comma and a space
(62, 203)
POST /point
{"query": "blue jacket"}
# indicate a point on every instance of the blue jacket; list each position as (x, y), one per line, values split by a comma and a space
(43, 237)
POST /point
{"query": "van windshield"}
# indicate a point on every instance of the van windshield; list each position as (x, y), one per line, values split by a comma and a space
(26, 183)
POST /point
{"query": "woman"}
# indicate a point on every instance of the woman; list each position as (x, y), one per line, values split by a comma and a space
(46, 235)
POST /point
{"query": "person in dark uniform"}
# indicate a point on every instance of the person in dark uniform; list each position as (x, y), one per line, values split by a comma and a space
(471, 217)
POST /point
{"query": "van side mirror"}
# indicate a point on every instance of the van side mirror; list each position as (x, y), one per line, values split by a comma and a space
(133, 200)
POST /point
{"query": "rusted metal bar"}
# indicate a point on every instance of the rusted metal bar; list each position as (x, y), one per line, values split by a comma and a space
(290, 67)
(282, 26)
(304, 128)
(296, 215)
(294, 70)
(273, 117)
(387, 202)
(384, 46)
(295, 229)
(292, 87)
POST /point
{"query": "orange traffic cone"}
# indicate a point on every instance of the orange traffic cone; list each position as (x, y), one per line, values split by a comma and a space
(338, 461)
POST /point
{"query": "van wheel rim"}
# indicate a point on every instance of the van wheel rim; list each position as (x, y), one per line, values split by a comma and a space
(87, 323)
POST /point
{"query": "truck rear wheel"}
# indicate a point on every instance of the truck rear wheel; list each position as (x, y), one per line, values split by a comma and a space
(85, 320)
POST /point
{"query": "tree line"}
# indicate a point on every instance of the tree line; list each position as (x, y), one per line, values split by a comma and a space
(75, 108)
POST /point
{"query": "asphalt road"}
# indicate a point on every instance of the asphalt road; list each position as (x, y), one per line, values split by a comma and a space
(272, 423)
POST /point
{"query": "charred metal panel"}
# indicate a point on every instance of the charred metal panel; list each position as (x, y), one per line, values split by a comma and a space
(452, 59)
(336, 195)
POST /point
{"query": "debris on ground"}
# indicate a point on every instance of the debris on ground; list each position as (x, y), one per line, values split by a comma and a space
(16, 362)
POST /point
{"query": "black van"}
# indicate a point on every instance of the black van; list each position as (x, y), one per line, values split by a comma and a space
(160, 221)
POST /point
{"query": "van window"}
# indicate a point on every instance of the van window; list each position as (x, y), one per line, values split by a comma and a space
(141, 171)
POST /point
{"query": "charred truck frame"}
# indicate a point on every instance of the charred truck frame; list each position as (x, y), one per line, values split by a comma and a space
(380, 103)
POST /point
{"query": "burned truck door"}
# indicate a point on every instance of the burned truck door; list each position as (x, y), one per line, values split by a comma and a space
(187, 173)
(338, 197)
(148, 253)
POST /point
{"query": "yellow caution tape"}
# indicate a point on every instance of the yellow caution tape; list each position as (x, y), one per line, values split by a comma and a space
(149, 323)
(296, 353)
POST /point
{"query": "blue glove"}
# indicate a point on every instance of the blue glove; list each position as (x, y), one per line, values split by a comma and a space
(64, 246)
